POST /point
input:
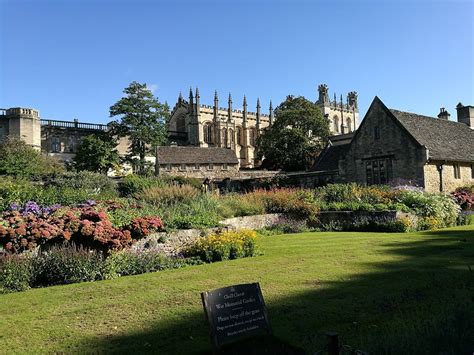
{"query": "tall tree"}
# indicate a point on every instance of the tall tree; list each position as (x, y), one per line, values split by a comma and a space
(98, 153)
(143, 119)
(298, 134)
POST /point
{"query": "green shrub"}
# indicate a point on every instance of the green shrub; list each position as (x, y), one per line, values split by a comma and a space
(225, 246)
(15, 273)
(134, 262)
(16, 190)
(19, 159)
(201, 212)
(133, 184)
(97, 184)
(235, 205)
(168, 195)
(296, 204)
(69, 264)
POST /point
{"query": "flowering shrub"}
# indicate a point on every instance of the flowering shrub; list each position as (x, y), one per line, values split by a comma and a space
(35, 226)
(143, 226)
(465, 197)
(224, 246)
(436, 206)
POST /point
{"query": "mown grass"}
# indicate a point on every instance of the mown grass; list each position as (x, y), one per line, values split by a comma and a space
(384, 293)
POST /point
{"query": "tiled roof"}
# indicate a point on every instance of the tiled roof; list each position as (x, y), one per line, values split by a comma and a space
(329, 158)
(196, 155)
(445, 140)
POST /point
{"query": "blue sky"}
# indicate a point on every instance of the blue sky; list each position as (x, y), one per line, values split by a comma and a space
(72, 59)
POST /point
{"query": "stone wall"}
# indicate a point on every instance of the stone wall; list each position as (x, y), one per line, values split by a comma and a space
(170, 243)
(450, 183)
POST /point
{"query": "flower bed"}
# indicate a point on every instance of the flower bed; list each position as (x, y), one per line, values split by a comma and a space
(26, 227)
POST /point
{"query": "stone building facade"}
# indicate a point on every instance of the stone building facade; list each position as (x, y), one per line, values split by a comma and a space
(212, 126)
(215, 162)
(401, 147)
(194, 124)
(52, 137)
(343, 117)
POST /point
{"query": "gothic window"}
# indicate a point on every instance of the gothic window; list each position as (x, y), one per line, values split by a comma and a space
(239, 136)
(336, 124)
(182, 167)
(208, 133)
(349, 125)
(231, 137)
(55, 145)
(253, 137)
(224, 166)
(181, 123)
(378, 171)
(224, 138)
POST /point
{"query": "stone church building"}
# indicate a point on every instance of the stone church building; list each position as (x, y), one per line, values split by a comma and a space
(194, 124)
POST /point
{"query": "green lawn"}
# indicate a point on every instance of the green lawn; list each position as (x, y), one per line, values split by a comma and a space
(385, 293)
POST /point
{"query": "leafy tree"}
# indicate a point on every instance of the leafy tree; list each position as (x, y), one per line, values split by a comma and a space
(19, 159)
(97, 153)
(143, 119)
(298, 134)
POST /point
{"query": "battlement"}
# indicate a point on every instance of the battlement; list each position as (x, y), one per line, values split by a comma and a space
(20, 111)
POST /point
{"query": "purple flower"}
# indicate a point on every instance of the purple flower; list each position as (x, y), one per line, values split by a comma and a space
(14, 206)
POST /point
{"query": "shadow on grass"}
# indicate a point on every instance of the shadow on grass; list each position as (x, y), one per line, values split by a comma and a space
(421, 304)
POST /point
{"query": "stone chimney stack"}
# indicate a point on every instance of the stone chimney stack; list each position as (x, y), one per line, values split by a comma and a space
(443, 114)
(465, 114)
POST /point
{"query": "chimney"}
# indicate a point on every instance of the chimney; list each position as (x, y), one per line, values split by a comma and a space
(465, 114)
(443, 114)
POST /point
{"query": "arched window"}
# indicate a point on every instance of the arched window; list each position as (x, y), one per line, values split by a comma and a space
(231, 137)
(336, 123)
(349, 126)
(208, 133)
(224, 138)
(253, 137)
(239, 136)
(181, 123)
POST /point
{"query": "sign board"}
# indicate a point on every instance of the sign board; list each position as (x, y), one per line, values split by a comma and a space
(235, 312)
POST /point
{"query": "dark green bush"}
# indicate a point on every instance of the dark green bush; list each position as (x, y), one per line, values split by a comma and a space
(19, 159)
(97, 184)
(134, 262)
(15, 273)
(68, 264)
(133, 184)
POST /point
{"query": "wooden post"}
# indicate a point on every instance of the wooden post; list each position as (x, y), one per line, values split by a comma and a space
(333, 343)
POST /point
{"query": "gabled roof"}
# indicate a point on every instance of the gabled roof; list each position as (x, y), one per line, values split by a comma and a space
(445, 140)
(196, 155)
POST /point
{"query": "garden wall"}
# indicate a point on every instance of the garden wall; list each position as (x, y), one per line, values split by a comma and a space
(171, 242)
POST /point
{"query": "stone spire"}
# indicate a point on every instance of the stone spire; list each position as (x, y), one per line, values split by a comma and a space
(216, 98)
(180, 97)
(270, 111)
(258, 113)
(335, 100)
(191, 100)
(244, 118)
(341, 102)
(229, 103)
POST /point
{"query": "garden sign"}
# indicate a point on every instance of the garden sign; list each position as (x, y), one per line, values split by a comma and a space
(235, 312)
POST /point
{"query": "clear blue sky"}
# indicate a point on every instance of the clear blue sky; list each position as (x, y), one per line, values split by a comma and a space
(72, 59)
